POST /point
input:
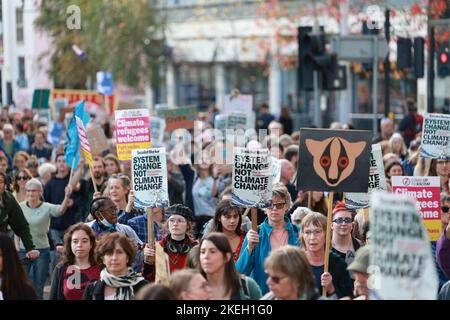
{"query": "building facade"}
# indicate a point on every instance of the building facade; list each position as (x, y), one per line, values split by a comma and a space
(21, 68)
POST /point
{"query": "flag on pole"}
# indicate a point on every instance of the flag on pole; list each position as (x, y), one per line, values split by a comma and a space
(72, 140)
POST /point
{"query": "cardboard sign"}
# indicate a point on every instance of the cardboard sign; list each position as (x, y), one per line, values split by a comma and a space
(334, 160)
(41, 99)
(183, 117)
(252, 178)
(157, 126)
(239, 104)
(149, 176)
(74, 96)
(401, 264)
(276, 170)
(162, 269)
(436, 136)
(98, 140)
(83, 139)
(377, 181)
(132, 131)
(426, 192)
(59, 104)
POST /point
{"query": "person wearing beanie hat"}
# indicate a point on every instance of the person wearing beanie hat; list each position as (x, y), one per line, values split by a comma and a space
(359, 270)
(177, 244)
(343, 243)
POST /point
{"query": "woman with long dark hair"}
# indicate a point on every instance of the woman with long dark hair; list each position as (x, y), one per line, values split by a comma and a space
(77, 264)
(14, 281)
(217, 266)
(228, 220)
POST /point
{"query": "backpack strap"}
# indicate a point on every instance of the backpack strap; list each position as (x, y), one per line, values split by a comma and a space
(244, 285)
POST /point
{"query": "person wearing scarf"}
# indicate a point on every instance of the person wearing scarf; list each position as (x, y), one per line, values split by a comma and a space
(117, 280)
(177, 244)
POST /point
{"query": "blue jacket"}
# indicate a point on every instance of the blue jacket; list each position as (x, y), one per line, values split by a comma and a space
(253, 265)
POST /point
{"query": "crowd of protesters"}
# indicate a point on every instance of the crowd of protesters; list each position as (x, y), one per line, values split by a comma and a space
(83, 242)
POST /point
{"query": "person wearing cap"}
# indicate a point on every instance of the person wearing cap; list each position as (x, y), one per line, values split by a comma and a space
(177, 244)
(359, 268)
(343, 243)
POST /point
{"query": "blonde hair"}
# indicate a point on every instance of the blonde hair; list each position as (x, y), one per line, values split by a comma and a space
(280, 190)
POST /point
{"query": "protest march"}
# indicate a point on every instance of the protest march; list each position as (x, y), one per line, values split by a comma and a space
(251, 195)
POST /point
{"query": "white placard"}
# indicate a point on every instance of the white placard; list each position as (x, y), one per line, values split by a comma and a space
(149, 176)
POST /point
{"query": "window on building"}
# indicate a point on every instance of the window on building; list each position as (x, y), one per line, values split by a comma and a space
(19, 25)
(196, 86)
(21, 81)
(249, 79)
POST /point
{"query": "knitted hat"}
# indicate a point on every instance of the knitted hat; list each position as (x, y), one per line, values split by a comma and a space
(180, 210)
(340, 206)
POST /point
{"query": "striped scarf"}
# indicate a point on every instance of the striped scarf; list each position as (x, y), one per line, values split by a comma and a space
(123, 283)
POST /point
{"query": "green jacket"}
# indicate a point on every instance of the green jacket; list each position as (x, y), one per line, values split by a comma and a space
(11, 214)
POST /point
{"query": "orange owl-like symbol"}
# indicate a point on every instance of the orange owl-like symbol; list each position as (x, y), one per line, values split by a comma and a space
(334, 158)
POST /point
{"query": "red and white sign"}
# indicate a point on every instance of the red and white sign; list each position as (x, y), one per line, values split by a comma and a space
(132, 131)
(426, 192)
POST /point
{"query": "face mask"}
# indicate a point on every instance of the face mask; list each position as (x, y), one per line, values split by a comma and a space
(106, 223)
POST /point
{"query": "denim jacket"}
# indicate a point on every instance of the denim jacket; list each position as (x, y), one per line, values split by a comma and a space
(253, 264)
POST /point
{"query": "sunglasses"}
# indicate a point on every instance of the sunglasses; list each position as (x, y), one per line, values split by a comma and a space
(279, 205)
(444, 209)
(342, 220)
(22, 178)
(276, 280)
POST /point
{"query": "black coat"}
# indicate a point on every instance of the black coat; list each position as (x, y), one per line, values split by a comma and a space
(96, 290)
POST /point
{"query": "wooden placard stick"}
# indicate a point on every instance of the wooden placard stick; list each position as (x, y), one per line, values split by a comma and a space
(328, 237)
(255, 219)
(150, 235)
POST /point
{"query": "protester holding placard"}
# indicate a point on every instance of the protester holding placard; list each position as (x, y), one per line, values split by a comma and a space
(217, 266)
(336, 281)
(139, 224)
(176, 244)
(276, 231)
(117, 280)
(343, 244)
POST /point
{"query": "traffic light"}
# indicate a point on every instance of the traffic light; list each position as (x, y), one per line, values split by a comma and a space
(305, 65)
(404, 58)
(419, 57)
(312, 57)
(443, 62)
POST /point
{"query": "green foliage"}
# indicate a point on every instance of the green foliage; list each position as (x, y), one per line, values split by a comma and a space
(121, 36)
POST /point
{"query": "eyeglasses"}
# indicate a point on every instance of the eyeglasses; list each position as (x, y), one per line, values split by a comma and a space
(444, 209)
(22, 178)
(279, 205)
(180, 221)
(33, 190)
(342, 220)
(315, 232)
(297, 221)
(276, 280)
